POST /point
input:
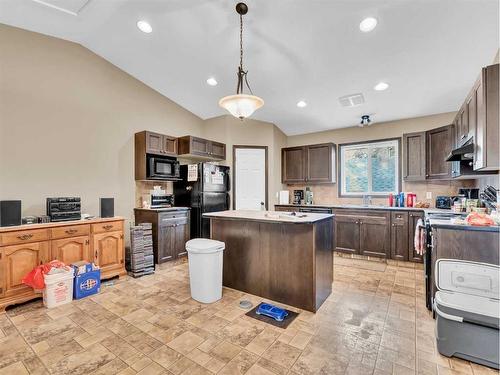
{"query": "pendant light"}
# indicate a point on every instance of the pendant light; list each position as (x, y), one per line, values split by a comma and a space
(241, 105)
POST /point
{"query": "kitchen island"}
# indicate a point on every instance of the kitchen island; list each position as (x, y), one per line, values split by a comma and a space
(276, 255)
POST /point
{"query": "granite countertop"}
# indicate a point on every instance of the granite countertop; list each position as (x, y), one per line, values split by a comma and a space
(448, 224)
(164, 209)
(269, 216)
(362, 207)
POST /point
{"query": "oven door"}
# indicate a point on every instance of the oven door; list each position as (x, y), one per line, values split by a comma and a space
(163, 169)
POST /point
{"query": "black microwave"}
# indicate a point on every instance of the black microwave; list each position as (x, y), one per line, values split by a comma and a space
(162, 168)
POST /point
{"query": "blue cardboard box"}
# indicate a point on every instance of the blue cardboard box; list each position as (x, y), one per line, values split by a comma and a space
(87, 283)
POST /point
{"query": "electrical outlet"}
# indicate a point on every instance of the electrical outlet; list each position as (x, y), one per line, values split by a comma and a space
(428, 195)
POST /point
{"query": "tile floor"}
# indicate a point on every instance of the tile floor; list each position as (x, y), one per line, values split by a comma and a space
(375, 322)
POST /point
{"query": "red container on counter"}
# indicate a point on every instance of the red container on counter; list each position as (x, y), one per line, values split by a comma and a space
(410, 200)
(391, 200)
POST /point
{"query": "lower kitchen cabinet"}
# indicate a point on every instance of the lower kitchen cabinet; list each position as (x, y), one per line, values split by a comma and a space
(24, 247)
(374, 235)
(171, 231)
(399, 235)
(347, 234)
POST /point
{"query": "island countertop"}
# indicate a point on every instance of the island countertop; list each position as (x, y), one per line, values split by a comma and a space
(269, 216)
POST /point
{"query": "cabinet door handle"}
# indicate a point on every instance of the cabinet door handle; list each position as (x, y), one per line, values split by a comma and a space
(96, 254)
(107, 227)
(86, 242)
(70, 231)
(360, 223)
(25, 237)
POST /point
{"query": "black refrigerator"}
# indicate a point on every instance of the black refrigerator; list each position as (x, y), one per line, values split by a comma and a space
(208, 191)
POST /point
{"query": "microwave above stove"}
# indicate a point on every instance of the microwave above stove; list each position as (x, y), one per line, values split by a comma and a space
(162, 168)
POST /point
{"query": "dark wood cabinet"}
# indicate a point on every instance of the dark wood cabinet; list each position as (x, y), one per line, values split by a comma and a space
(147, 142)
(414, 156)
(171, 231)
(413, 218)
(399, 235)
(293, 165)
(201, 148)
(347, 234)
(439, 143)
(159, 144)
(486, 150)
(313, 164)
(374, 235)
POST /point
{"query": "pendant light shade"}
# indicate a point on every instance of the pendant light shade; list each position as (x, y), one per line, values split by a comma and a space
(241, 105)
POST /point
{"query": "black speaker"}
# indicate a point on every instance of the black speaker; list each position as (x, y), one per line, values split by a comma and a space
(10, 213)
(107, 207)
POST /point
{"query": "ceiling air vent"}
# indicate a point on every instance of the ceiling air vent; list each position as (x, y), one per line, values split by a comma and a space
(351, 100)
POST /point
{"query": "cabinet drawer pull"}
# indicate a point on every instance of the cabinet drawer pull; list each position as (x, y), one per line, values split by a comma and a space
(25, 237)
(70, 231)
(86, 242)
(107, 227)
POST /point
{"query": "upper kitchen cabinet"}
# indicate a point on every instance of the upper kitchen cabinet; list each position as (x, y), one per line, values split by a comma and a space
(158, 144)
(425, 153)
(414, 156)
(486, 150)
(311, 164)
(200, 148)
(439, 143)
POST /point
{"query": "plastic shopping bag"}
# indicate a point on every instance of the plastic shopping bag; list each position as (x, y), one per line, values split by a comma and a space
(34, 278)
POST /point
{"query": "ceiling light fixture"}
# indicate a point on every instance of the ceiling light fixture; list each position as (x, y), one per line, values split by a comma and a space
(241, 105)
(381, 86)
(365, 121)
(368, 24)
(301, 104)
(212, 81)
(144, 26)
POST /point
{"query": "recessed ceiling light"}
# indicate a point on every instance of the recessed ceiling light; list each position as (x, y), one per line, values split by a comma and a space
(301, 104)
(144, 26)
(381, 86)
(368, 24)
(212, 81)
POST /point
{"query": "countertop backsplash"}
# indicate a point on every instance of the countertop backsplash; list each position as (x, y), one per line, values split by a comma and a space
(328, 194)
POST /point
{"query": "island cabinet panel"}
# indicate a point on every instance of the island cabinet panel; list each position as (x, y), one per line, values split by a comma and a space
(414, 156)
(285, 262)
(399, 235)
(413, 218)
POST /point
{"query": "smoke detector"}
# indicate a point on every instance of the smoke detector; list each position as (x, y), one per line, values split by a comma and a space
(365, 121)
(352, 100)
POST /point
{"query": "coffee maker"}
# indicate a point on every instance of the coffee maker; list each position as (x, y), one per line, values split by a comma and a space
(469, 193)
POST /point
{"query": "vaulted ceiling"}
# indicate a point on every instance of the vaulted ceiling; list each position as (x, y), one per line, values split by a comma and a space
(429, 51)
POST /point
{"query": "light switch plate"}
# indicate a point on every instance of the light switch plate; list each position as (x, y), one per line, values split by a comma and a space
(428, 195)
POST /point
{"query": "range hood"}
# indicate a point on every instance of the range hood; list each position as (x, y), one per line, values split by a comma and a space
(464, 152)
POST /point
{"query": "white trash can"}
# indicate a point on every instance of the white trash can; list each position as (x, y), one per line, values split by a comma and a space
(205, 269)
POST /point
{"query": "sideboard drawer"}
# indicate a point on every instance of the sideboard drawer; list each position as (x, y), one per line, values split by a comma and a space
(24, 236)
(70, 231)
(108, 226)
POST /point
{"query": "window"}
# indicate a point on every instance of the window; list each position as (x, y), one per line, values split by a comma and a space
(369, 168)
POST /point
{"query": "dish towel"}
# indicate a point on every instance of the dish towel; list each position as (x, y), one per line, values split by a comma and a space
(419, 240)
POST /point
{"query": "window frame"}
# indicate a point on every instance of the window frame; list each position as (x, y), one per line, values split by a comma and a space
(341, 148)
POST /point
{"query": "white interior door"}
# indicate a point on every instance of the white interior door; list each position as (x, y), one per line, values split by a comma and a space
(250, 178)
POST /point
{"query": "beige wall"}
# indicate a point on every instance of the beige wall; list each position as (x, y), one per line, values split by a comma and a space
(67, 120)
(324, 194)
(233, 131)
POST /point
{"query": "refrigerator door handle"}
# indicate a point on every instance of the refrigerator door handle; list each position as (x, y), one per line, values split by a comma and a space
(228, 183)
(228, 201)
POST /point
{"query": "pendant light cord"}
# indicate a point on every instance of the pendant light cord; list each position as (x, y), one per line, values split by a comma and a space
(242, 75)
(241, 42)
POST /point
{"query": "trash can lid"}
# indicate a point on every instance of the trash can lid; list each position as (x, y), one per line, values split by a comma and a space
(204, 246)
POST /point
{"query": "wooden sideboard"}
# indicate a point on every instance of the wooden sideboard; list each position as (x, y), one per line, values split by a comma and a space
(24, 247)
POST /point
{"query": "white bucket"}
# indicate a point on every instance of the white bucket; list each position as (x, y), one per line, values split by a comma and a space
(58, 288)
